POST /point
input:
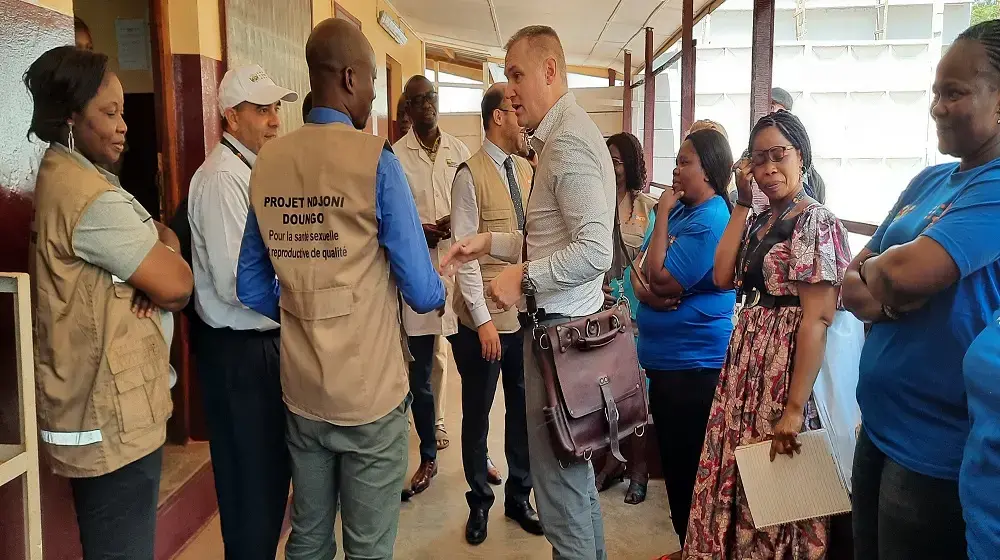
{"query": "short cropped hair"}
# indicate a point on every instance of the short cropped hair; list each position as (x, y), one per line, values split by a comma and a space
(492, 101)
(542, 37)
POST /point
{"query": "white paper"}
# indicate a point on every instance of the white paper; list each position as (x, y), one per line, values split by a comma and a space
(133, 44)
(792, 489)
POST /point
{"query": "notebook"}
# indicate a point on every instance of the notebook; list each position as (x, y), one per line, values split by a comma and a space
(791, 489)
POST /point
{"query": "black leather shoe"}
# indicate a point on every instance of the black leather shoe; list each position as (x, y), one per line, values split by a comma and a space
(475, 529)
(525, 515)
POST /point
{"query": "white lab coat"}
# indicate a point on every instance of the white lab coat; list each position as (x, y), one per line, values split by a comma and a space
(431, 186)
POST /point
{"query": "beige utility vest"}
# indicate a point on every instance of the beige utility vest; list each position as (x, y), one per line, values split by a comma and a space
(496, 214)
(102, 373)
(313, 192)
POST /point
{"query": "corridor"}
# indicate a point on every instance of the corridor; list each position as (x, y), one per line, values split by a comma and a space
(432, 525)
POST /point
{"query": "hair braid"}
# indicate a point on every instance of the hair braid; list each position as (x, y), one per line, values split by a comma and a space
(791, 128)
(633, 159)
(987, 34)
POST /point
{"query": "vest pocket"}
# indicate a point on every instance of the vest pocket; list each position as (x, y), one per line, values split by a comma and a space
(139, 385)
(132, 403)
(318, 304)
(497, 220)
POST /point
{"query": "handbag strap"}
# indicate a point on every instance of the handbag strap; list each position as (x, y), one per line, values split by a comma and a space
(630, 263)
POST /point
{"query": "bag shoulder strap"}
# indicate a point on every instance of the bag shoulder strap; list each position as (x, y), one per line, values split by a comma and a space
(617, 233)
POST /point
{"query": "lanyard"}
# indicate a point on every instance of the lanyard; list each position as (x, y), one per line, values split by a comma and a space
(236, 152)
(745, 257)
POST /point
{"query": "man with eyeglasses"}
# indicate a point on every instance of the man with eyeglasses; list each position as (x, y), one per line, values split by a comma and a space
(430, 158)
(489, 194)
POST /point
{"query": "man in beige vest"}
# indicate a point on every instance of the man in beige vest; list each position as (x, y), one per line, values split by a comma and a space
(332, 216)
(430, 157)
(489, 194)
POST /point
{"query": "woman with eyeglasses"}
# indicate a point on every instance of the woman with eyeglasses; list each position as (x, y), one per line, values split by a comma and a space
(635, 217)
(787, 265)
(929, 282)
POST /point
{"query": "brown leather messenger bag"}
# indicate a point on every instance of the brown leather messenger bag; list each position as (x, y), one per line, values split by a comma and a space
(594, 390)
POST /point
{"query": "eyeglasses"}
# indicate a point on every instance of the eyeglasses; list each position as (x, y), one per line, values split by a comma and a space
(617, 161)
(774, 154)
(429, 97)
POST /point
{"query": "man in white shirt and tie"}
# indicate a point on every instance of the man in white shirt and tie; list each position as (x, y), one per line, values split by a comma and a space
(489, 194)
(237, 349)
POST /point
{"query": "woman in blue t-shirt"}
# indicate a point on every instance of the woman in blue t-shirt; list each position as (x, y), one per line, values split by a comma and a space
(682, 350)
(979, 480)
(928, 281)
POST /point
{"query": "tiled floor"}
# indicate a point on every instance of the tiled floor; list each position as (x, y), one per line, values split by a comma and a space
(432, 525)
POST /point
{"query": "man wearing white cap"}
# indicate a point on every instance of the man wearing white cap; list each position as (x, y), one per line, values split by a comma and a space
(237, 348)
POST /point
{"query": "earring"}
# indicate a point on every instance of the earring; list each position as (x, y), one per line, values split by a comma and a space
(69, 138)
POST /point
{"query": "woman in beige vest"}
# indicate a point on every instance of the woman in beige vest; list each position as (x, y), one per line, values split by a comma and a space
(105, 279)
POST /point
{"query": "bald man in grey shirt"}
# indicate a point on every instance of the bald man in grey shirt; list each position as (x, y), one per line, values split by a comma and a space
(568, 220)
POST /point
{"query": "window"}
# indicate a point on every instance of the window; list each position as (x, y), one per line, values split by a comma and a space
(575, 80)
(444, 77)
(584, 81)
(459, 100)
(456, 94)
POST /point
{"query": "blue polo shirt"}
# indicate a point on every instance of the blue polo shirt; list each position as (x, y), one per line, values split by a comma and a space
(910, 385)
(979, 481)
(696, 335)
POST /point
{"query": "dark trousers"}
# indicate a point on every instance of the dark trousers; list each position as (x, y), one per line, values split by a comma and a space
(479, 386)
(680, 402)
(117, 511)
(899, 514)
(246, 427)
(424, 413)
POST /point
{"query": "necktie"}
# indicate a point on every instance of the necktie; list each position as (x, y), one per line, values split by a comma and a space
(515, 192)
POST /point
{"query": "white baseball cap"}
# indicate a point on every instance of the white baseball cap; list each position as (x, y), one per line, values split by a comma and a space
(251, 83)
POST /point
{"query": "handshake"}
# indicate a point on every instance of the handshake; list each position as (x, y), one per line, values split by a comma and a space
(437, 231)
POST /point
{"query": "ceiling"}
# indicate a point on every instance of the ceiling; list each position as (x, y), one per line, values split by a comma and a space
(593, 32)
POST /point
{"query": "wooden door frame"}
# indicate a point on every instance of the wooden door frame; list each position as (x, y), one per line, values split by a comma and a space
(171, 194)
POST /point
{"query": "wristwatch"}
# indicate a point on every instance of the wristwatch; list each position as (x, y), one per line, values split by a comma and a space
(527, 285)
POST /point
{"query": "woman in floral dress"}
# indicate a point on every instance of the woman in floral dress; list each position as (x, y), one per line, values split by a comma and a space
(787, 263)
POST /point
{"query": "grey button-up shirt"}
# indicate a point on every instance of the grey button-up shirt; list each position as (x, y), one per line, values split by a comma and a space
(569, 217)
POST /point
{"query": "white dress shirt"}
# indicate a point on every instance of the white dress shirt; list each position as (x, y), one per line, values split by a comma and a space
(465, 222)
(218, 204)
(570, 213)
(431, 185)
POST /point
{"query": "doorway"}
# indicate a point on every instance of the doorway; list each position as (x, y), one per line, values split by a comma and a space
(120, 29)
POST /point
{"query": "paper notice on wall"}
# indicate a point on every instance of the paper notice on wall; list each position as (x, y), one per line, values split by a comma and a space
(791, 489)
(133, 44)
